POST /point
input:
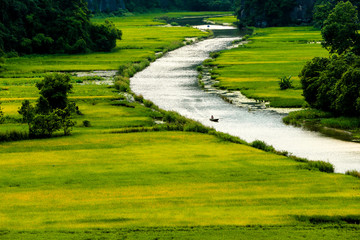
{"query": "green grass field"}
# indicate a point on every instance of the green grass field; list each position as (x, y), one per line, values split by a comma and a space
(224, 20)
(97, 184)
(256, 67)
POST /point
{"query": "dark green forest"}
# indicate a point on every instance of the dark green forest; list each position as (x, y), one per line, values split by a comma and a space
(52, 26)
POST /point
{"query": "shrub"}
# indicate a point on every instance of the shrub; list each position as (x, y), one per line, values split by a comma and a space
(86, 123)
(139, 98)
(285, 83)
(195, 127)
(122, 86)
(214, 54)
(44, 125)
(353, 173)
(199, 68)
(262, 146)
(13, 135)
(148, 103)
(174, 117)
(321, 166)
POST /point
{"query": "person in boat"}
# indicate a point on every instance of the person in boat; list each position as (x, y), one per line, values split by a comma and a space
(212, 117)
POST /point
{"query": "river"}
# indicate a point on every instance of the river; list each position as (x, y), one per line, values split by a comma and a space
(171, 83)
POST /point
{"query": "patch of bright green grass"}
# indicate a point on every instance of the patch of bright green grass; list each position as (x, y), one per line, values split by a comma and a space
(256, 67)
(224, 20)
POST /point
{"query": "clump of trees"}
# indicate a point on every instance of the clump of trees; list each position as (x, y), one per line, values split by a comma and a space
(52, 111)
(323, 8)
(333, 84)
(57, 26)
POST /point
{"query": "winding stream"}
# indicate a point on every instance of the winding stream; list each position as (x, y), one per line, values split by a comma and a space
(171, 83)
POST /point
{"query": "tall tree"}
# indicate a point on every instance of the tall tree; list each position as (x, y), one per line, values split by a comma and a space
(340, 30)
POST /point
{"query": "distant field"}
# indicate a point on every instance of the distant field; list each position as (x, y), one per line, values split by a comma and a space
(225, 19)
(256, 67)
(142, 38)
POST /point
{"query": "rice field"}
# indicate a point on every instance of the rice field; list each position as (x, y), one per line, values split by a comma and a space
(255, 68)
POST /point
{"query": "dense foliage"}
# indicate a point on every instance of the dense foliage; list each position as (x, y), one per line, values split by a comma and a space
(332, 84)
(323, 8)
(265, 13)
(53, 109)
(52, 26)
(340, 29)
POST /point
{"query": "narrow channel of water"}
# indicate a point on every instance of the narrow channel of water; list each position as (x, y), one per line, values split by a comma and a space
(171, 83)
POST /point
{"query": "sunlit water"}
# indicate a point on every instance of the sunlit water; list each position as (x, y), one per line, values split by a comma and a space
(171, 83)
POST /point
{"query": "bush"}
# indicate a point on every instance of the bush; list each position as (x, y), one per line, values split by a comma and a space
(285, 83)
(353, 173)
(214, 54)
(321, 166)
(199, 68)
(139, 98)
(13, 135)
(86, 123)
(195, 127)
(262, 146)
(44, 125)
(148, 103)
(122, 86)
(174, 117)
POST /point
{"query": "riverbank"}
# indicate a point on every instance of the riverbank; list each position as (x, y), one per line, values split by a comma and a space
(345, 128)
(108, 181)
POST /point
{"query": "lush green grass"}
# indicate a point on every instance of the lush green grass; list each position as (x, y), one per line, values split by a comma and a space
(224, 19)
(256, 67)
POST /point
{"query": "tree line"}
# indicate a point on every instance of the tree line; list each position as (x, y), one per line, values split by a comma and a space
(333, 84)
(52, 26)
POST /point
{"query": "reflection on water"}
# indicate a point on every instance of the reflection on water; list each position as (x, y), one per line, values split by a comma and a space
(171, 83)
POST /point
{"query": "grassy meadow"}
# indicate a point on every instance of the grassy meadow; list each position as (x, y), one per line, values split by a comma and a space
(255, 68)
(102, 183)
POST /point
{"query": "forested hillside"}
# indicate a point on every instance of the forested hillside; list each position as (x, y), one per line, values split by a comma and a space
(52, 26)
(146, 5)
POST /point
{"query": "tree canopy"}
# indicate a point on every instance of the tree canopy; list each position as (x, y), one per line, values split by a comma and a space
(332, 84)
(53, 109)
(56, 26)
(340, 29)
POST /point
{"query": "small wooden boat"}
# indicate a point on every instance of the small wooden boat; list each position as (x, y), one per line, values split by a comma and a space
(214, 119)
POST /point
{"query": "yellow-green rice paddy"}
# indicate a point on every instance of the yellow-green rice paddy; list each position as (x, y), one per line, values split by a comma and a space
(271, 53)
